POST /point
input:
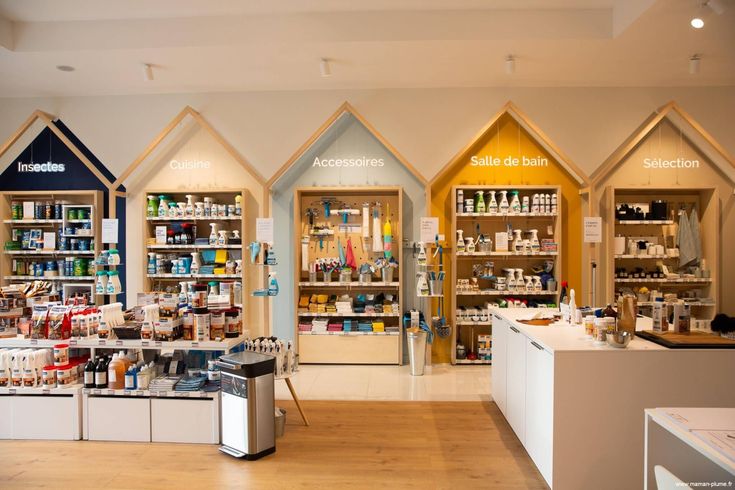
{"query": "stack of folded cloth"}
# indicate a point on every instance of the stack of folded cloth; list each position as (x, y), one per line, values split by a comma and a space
(344, 307)
(359, 306)
(334, 326)
(364, 327)
(164, 383)
(350, 325)
(319, 325)
(391, 328)
(378, 326)
(191, 383)
(304, 327)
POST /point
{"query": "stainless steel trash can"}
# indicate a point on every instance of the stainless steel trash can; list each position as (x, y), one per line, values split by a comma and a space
(248, 404)
(417, 352)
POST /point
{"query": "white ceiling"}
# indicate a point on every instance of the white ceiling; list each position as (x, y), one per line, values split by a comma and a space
(235, 45)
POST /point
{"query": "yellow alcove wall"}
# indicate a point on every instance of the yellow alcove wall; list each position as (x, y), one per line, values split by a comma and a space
(506, 137)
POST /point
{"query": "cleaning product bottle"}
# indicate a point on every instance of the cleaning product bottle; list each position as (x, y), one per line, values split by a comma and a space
(460, 201)
(537, 284)
(535, 204)
(515, 203)
(510, 279)
(89, 372)
(222, 238)
(152, 209)
(195, 263)
(503, 207)
(517, 241)
(100, 373)
(189, 210)
(520, 284)
(525, 206)
(272, 284)
(387, 235)
(553, 203)
(162, 206)
(238, 205)
(183, 293)
(479, 202)
(422, 285)
(130, 381)
(460, 241)
(213, 234)
(535, 245)
(493, 206)
(572, 307)
(529, 284)
(421, 257)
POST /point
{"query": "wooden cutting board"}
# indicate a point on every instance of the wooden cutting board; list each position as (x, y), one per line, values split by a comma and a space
(691, 340)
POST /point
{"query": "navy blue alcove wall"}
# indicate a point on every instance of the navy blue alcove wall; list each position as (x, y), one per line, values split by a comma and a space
(76, 176)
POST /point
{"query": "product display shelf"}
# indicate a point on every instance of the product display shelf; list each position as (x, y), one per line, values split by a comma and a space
(225, 345)
(662, 232)
(351, 284)
(344, 347)
(41, 412)
(89, 201)
(353, 334)
(476, 323)
(149, 393)
(197, 228)
(548, 226)
(49, 278)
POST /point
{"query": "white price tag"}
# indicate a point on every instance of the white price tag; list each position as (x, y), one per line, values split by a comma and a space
(101, 342)
(144, 343)
(182, 393)
(11, 391)
(118, 342)
(34, 341)
(264, 230)
(109, 230)
(72, 342)
(593, 229)
(140, 393)
(96, 392)
(429, 229)
(195, 344)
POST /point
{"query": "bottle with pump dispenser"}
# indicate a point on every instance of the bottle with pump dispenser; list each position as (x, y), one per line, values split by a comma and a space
(493, 206)
(503, 207)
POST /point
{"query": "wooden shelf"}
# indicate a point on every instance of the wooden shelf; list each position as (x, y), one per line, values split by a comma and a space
(506, 254)
(506, 215)
(50, 252)
(50, 278)
(476, 361)
(211, 218)
(350, 334)
(644, 257)
(32, 221)
(356, 284)
(194, 247)
(644, 222)
(693, 280)
(348, 315)
(506, 293)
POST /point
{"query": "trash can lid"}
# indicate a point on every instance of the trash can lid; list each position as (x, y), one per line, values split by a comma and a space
(248, 364)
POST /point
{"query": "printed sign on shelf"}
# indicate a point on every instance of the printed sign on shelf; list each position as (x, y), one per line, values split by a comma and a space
(429, 228)
(264, 230)
(109, 230)
(593, 229)
(509, 161)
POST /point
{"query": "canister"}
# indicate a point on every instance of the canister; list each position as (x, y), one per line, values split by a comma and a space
(80, 266)
(188, 323)
(58, 211)
(63, 375)
(49, 377)
(61, 354)
(199, 296)
(71, 214)
(232, 320)
(202, 323)
(217, 325)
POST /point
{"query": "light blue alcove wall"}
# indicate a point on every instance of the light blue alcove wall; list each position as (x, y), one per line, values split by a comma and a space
(347, 137)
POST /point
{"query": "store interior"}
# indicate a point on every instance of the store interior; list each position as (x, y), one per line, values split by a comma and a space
(328, 245)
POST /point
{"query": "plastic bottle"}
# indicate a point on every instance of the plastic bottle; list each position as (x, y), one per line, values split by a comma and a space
(535, 245)
(189, 209)
(89, 372)
(213, 234)
(493, 206)
(479, 202)
(162, 206)
(460, 201)
(657, 314)
(151, 263)
(130, 379)
(515, 203)
(116, 373)
(535, 207)
(553, 203)
(503, 207)
(517, 241)
(100, 373)
(238, 205)
(272, 284)
(152, 210)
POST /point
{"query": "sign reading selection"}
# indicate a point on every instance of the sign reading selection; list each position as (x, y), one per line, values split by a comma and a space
(663, 163)
(509, 161)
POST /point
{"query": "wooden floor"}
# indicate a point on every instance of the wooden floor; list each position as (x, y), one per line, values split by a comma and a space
(465, 445)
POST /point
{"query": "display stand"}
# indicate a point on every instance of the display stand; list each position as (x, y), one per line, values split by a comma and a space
(55, 169)
(670, 158)
(510, 153)
(345, 153)
(354, 346)
(190, 157)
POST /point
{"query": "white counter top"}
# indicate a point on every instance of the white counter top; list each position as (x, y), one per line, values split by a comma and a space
(565, 337)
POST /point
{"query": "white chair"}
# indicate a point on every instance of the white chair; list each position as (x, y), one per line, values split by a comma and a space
(666, 480)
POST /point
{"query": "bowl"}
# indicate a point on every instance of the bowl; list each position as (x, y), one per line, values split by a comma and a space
(619, 339)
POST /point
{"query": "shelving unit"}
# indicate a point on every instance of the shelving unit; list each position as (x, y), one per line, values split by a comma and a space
(161, 281)
(351, 347)
(549, 226)
(15, 262)
(658, 232)
(41, 413)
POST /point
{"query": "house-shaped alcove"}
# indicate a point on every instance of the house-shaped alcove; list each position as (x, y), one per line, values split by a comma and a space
(510, 153)
(375, 167)
(190, 157)
(56, 168)
(669, 159)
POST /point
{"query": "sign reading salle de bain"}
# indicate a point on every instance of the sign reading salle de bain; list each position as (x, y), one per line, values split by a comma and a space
(509, 161)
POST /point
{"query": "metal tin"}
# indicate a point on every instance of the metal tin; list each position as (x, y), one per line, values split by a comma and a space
(57, 211)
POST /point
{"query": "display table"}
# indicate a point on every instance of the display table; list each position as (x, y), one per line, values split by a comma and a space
(688, 443)
(576, 407)
(41, 413)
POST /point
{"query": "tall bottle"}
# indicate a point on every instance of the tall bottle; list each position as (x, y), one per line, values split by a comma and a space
(116, 373)
(493, 205)
(100, 373)
(515, 203)
(479, 202)
(503, 207)
(89, 372)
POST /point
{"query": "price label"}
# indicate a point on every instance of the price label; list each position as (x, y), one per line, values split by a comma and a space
(96, 392)
(46, 391)
(140, 392)
(110, 392)
(118, 342)
(34, 341)
(101, 342)
(182, 393)
(11, 391)
(159, 343)
(72, 342)
(195, 344)
(145, 343)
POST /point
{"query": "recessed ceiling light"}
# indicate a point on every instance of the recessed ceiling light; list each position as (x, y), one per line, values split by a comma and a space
(697, 23)
(65, 68)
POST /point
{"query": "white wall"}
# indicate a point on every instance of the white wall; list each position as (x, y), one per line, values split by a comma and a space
(428, 126)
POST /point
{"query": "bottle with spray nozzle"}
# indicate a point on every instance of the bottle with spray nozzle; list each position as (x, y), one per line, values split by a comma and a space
(535, 245)
(493, 204)
(515, 203)
(517, 241)
(479, 202)
(213, 234)
(272, 284)
(503, 207)
(421, 257)
(460, 241)
(189, 209)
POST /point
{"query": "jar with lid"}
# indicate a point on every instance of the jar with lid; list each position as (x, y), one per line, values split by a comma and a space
(231, 323)
(600, 330)
(49, 377)
(217, 325)
(199, 296)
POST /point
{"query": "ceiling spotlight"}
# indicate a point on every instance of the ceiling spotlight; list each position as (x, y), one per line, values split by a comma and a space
(324, 68)
(694, 62)
(147, 72)
(510, 64)
(66, 68)
(697, 22)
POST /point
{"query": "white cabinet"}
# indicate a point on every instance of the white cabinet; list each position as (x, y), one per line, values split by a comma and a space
(500, 359)
(195, 420)
(111, 418)
(539, 406)
(516, 382)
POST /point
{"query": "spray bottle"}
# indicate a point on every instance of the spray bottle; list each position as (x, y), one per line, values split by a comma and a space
(493, 206)
(515, 203)
(151, 263)
(213, 234)
(503, 202)
(479, 202)
(510, 279)
(535, 245)
(272, 284)
(460, 241)
(152, 209)
(517, 241)
(421, 257)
